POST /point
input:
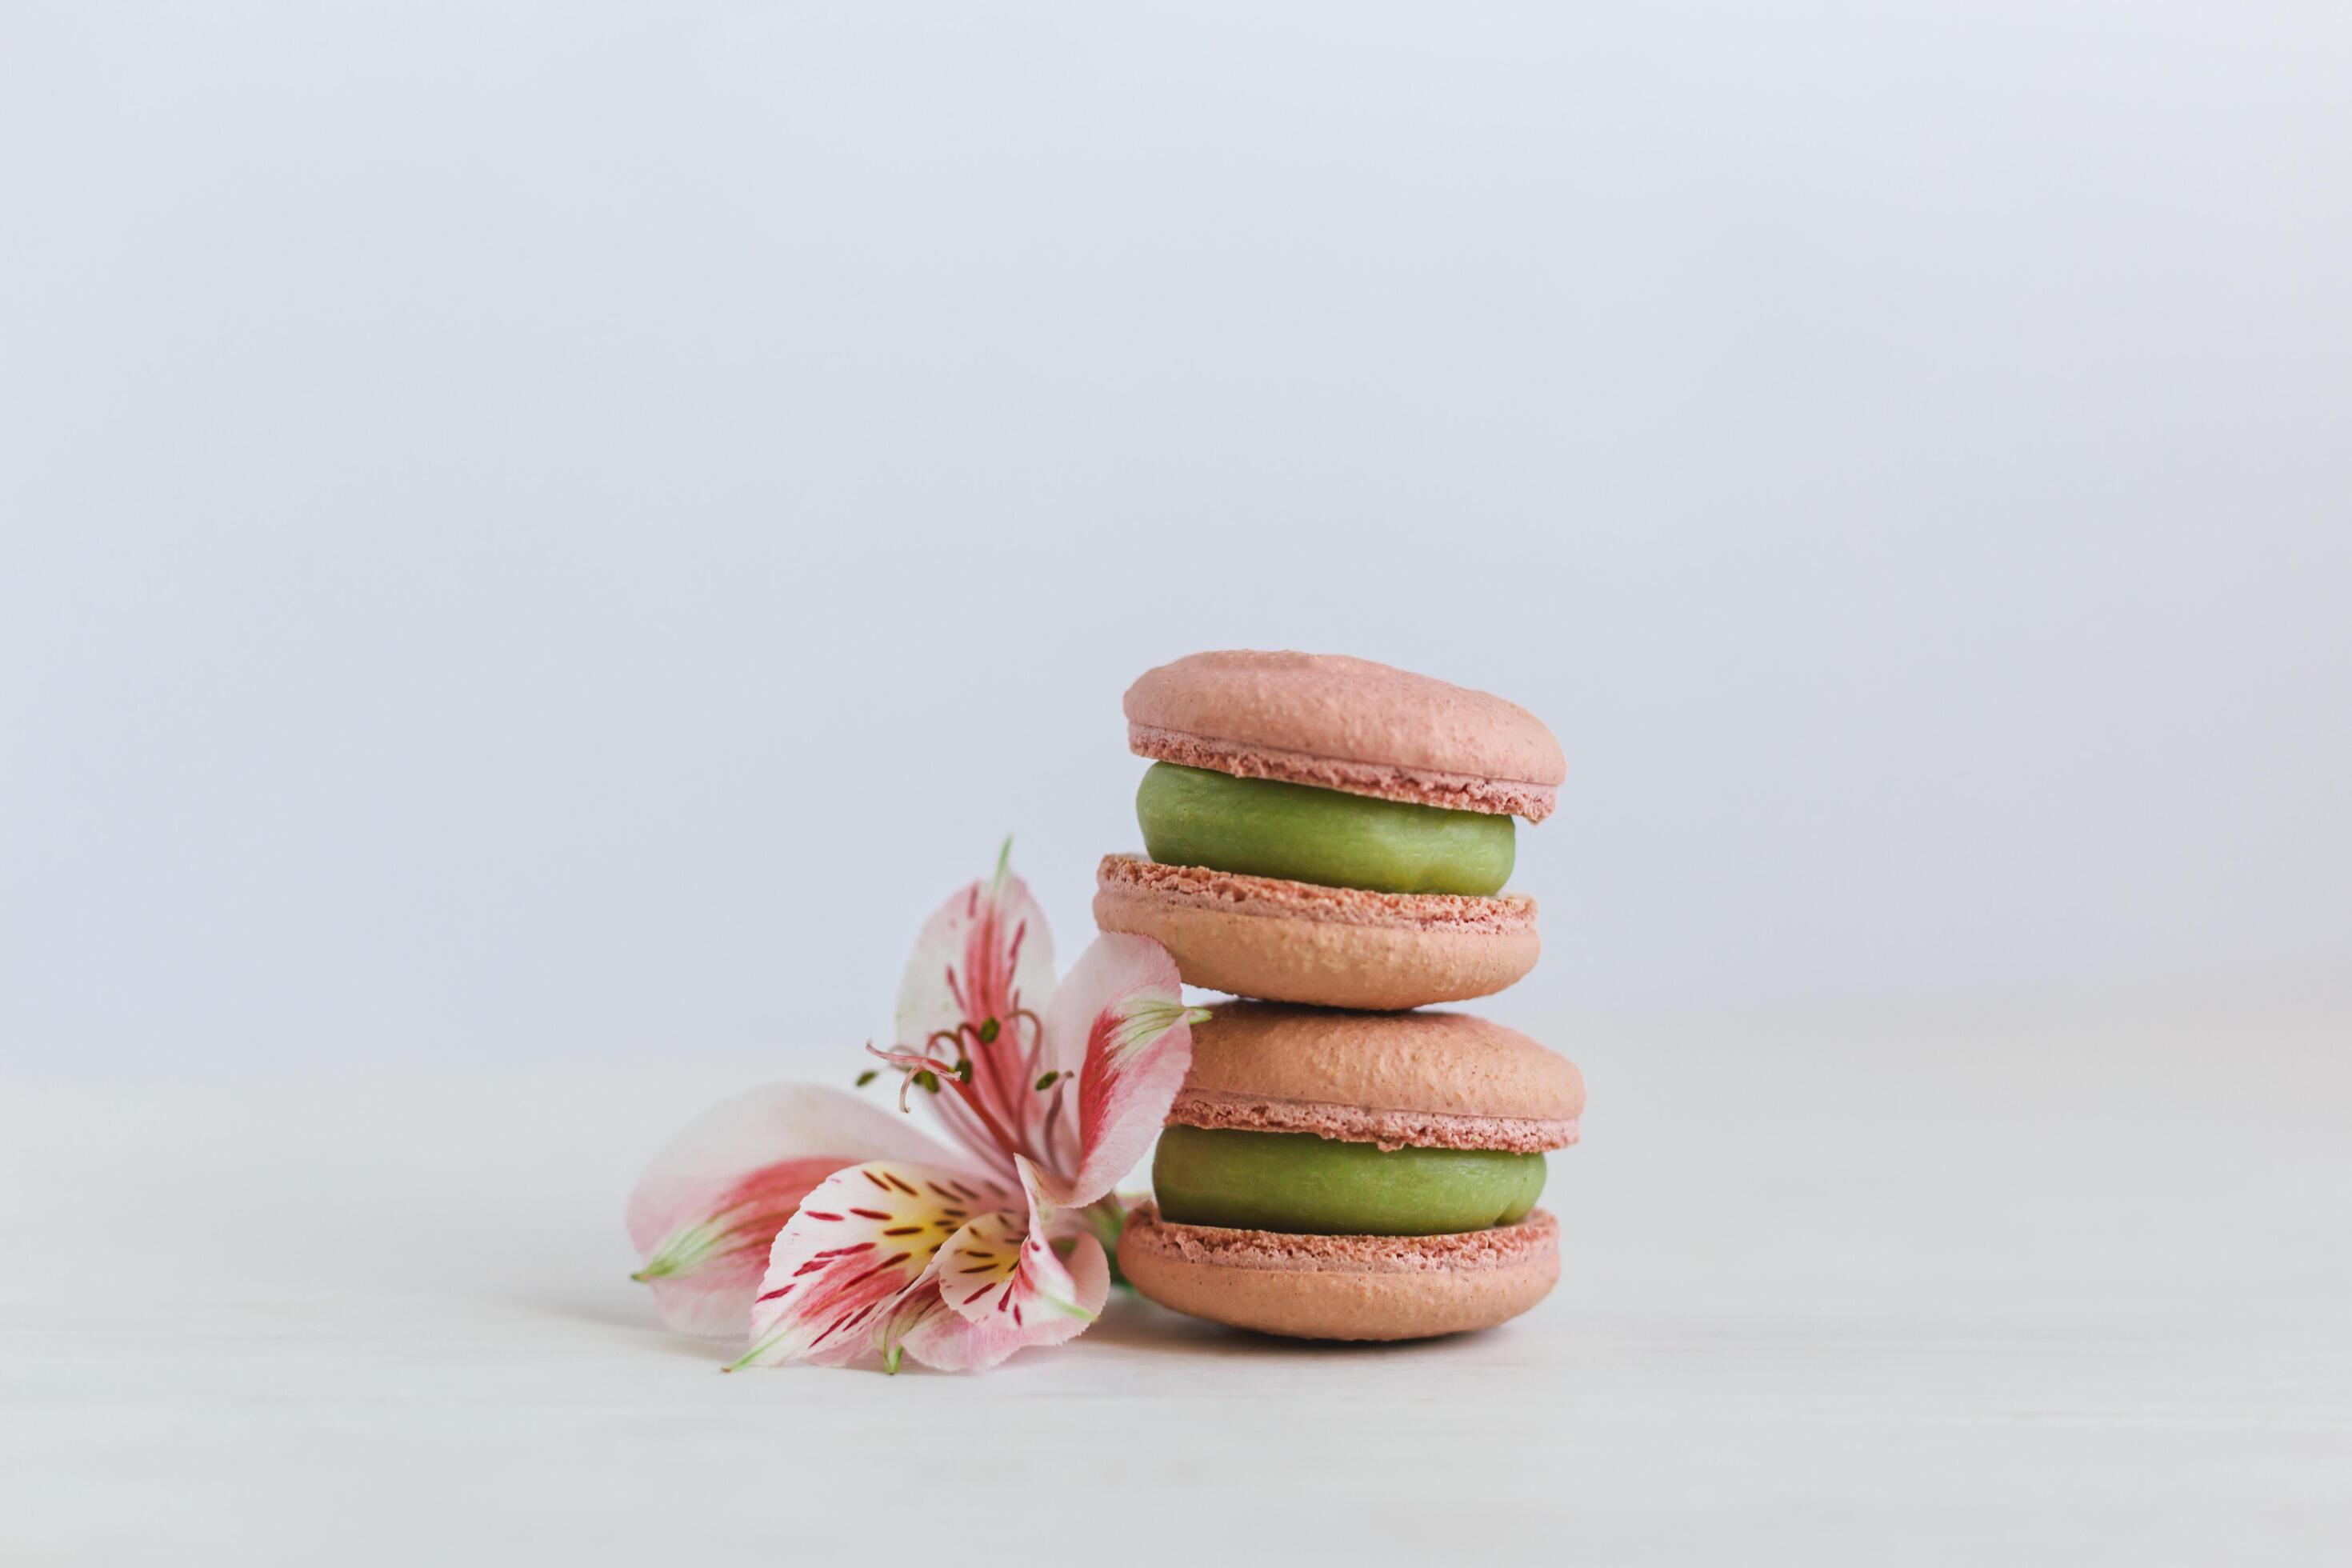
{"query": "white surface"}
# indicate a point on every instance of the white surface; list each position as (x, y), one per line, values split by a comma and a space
(1839, 1291)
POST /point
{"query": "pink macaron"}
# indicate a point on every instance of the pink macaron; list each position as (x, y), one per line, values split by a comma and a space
(1320, 1101)
(1437, 758)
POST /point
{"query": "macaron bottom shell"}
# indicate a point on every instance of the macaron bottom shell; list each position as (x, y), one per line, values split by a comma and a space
(1342, 1287)
(1295, 1183)
(1283, 941)
(1262, 828)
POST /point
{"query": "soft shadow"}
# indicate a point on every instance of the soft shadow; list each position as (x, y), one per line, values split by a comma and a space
(1138, 1324)
(634, 1318)
(1130, 1322)
(611, 1314)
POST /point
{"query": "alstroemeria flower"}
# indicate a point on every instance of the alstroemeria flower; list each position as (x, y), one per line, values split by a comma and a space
(886, 1246)
(706, 1212)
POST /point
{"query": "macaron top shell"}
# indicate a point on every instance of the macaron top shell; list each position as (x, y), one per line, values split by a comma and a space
(1349, 724)
(1429, 1079)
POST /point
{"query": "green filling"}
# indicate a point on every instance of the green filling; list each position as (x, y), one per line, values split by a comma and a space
(1297, 1182)
(1259, 828)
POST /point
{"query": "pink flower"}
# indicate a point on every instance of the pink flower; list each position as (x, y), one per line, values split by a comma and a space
(840, 1234)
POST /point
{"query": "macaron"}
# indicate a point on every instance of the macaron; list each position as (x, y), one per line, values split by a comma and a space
(1327, 830)
(1346, 1175)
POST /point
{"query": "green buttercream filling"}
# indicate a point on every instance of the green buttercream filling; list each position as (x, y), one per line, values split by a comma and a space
(1300, 1182)
(1259, 828)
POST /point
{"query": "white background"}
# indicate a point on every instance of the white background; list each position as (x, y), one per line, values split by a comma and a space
(530, 531)
(536, 543)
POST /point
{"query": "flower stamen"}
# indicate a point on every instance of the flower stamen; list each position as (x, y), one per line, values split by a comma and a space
(935, 1074)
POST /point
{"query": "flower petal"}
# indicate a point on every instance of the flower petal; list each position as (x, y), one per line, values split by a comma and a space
(1120, 1018)
(944, 1339)
(706, 1211)
(861, 1242)
(983, 972)
(1005, 1263)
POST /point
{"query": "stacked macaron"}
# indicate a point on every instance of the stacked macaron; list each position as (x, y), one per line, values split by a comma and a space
(1331, 837)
